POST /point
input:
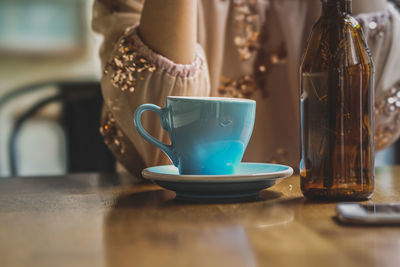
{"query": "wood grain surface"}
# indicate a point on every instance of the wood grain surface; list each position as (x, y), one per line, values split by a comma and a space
(110, 220)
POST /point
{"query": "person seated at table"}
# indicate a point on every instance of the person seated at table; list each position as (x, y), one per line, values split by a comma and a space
(228, 48)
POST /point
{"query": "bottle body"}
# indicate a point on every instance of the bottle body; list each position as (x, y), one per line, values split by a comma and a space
(337, 116)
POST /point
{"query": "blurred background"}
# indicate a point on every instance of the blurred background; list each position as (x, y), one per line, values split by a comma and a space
(49, 90)
(49, 66)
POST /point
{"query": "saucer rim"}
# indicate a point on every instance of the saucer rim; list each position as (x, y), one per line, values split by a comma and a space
(238, 178)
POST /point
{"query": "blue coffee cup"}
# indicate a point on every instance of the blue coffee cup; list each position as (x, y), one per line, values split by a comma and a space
(209, 135)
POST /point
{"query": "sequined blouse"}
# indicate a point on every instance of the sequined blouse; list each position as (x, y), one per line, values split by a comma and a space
(246, 48)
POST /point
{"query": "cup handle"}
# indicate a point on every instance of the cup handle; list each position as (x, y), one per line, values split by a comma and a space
(167, 149)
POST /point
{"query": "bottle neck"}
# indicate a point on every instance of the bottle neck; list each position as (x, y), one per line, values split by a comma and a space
(336, 7)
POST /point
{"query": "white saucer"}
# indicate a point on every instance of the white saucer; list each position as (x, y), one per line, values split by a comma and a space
(248, 180)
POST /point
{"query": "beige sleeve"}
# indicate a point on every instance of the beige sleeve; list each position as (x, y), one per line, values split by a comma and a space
(382, 32)
(111, 18)
(134, 75)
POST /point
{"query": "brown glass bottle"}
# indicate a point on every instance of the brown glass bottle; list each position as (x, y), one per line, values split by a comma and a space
(336, 102)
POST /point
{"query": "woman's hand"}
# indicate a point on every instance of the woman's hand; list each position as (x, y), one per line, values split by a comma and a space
(368, 6)
(169, 27)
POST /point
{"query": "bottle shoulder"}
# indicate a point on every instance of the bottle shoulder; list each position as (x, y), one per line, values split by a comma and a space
(337, 42)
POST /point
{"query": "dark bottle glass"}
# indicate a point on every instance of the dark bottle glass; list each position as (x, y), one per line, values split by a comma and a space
(337, 100)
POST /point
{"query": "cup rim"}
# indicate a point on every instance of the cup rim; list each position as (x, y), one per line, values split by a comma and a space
(212, 99)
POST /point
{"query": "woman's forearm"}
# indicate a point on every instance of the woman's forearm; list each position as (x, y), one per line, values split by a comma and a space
(169, 28)
(368, 6)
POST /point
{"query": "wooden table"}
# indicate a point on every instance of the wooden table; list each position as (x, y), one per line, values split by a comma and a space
(108, 220)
